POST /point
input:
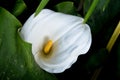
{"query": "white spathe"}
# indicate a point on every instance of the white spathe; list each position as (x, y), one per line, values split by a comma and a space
(69, 35)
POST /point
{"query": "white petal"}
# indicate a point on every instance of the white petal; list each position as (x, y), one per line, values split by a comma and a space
(29, 24)
(70, 36)
(66, 49)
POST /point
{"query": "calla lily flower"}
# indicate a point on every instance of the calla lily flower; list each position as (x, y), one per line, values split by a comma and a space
(57, 39)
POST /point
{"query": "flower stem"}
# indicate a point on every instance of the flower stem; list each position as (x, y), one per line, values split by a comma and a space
(41, 6)
(90, 11)
(113, 37)
(108, 47)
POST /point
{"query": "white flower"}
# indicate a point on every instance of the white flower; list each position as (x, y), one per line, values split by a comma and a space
(63, 36)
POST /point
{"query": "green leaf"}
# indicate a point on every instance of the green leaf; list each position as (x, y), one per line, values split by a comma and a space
(66, 7)
(16, 59)
(19, 7)
(16, 7)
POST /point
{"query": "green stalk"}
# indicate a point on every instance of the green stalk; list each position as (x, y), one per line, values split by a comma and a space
(113, 37)
(109, 46)
(90, 11)
(42, 4)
